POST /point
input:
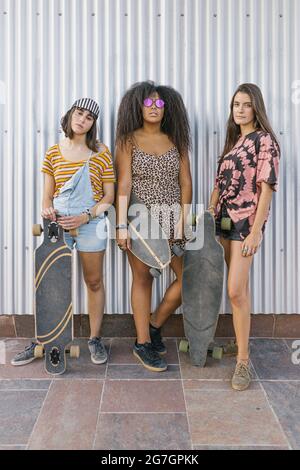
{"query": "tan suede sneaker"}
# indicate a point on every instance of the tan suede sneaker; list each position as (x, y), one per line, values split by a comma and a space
(242, 376)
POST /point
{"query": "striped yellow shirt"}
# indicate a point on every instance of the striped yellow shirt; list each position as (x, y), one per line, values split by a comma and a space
(101, 169)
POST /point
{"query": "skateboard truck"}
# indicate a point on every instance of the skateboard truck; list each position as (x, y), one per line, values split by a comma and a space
(73, 350)
(216, 351)
(55, 356)
(53, 232)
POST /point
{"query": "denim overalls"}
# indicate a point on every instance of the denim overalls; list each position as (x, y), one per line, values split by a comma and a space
(75, 196)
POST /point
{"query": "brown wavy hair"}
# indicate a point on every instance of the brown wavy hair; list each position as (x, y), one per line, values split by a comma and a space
(175, 122)
(91, 135)
(261, 120)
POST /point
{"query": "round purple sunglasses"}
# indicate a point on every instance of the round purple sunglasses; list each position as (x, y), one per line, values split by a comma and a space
(159, 103)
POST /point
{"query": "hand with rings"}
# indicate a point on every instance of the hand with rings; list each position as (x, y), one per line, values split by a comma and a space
(251, 244)
(245, 251)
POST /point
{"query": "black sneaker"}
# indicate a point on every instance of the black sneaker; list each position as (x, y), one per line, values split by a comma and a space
(150, 358)
(155, 336)
(24, 357)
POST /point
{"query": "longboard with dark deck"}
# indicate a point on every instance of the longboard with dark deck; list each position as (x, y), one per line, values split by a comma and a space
(53, 298)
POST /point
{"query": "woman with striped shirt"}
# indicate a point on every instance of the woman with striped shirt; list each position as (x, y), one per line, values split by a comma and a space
(78, 189)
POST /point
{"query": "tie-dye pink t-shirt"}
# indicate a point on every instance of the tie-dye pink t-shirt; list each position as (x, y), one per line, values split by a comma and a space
(252, 160)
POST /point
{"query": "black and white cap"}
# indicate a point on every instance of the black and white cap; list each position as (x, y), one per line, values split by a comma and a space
(88, 104)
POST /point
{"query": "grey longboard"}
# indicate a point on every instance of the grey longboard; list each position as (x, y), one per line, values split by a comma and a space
(202, 287)
(149, 243)
(53, 298)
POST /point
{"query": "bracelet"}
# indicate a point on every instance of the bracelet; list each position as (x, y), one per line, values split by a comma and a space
(121, 226)
(90, 217)
(211, 207)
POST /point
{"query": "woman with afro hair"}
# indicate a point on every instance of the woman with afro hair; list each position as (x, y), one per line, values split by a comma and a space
(152, 162)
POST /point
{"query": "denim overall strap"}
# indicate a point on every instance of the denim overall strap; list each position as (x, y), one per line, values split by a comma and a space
(76, 195)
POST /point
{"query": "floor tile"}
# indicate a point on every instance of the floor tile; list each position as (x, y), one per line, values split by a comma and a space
(143, 396)
(24, 384)
(272, 359)
(69, 416)
(284, 398)
(222, 418)
(142, 431)
(18, 413)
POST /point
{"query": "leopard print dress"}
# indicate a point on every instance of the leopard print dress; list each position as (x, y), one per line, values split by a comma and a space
(155, 181)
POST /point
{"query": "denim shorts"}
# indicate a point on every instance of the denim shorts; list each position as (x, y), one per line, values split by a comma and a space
(91, 237)
(231, 234)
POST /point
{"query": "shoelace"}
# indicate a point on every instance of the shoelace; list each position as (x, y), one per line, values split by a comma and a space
(150, 351)
(99, 347)
(242, 370)
(27, 348)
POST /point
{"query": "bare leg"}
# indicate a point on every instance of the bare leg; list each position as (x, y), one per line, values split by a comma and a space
(239, 296)
(226, 245)
(172, 298)
(92, 265)
(141, 292)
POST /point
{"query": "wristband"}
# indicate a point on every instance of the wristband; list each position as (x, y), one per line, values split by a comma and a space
(88, 212)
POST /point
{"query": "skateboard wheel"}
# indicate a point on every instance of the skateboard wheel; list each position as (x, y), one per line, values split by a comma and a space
(73, 232)
(184, 346)
(155, 272)
(177, 251)
(217, 352)
(39, 351)
(37, 230)
(75, 351)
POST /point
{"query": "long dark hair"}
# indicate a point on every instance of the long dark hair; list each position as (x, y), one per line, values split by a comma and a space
(175, 122)
(91, 136)
(261, 120)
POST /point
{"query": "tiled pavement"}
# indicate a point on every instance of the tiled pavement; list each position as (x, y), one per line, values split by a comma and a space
(120, 405)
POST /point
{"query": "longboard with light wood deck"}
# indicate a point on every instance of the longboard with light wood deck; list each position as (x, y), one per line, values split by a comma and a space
(149, 243)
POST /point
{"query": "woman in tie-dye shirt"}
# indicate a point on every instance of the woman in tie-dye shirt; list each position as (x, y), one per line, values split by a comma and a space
(246, 177)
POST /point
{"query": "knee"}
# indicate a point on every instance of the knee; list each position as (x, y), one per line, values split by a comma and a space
(94, 285)
(237, 296)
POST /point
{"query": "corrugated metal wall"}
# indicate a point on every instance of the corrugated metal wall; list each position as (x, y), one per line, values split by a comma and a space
(53, 51)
